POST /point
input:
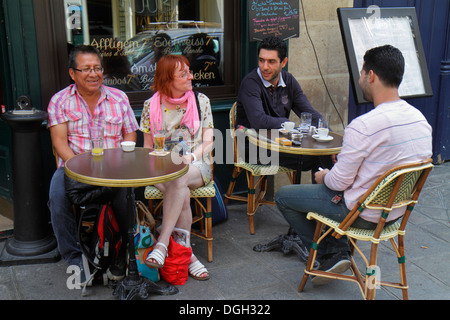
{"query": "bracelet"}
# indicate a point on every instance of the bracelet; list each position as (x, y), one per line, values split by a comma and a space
(194, 156)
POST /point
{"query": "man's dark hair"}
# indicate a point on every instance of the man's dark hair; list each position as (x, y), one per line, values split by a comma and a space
(274, 43)
(387, 62)
(84, 49)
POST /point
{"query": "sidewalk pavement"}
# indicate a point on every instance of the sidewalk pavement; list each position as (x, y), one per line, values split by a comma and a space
(239, 273)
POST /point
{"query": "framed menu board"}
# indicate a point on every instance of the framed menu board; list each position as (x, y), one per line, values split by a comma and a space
(273, 18)
(363, 29)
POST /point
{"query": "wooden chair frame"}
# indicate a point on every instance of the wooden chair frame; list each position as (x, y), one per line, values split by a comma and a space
(256, 178)
(398, 187)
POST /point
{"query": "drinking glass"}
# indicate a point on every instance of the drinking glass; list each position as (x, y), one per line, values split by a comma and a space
(305, 122)
(159, 137)
(97, 138)
(324, 121)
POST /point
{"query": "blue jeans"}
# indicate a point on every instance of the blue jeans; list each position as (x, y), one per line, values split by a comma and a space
(295, 201)
(64, 221)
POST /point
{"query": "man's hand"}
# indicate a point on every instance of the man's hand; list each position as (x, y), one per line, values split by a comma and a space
(320, 175)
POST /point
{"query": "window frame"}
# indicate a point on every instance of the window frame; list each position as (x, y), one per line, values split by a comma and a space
(53, 60)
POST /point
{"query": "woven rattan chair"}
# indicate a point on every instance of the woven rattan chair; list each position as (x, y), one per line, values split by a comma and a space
(398, 187)
(203, 214)
(256, 177)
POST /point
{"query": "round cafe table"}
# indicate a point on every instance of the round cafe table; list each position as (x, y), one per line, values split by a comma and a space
(116, 168)
(309, 146)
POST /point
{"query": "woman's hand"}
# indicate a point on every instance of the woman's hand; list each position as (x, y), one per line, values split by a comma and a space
(188, 158)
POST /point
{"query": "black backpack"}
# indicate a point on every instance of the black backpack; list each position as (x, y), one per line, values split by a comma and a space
(99, 237)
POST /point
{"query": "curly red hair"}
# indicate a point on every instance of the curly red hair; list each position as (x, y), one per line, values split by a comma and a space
(165, 71)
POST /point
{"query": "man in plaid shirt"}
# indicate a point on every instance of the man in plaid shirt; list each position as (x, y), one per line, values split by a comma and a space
(71, 111)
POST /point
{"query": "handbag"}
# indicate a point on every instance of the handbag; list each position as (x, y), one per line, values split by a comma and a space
(144, 241)
(176, 267)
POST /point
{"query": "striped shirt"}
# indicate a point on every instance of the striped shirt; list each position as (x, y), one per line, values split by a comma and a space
(392, 134)
(113, 112)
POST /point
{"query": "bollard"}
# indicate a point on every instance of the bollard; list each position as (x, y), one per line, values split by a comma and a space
(33, 240)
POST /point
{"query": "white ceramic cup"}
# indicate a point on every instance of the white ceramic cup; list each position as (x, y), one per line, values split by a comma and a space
(288, 126)
(322, 132)
(128, 146)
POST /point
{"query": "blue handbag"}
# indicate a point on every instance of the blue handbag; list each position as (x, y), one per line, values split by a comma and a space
(144, 241)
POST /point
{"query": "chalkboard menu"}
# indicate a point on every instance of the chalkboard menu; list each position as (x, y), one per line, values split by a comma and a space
(273, 18)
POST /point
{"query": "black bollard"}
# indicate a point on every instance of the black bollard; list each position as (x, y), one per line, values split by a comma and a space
(33, 240)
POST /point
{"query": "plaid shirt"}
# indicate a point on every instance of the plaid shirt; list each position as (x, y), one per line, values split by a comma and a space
(113, 112)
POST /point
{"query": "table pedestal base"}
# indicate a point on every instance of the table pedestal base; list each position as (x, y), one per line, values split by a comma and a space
(140, 288)
(286, 243)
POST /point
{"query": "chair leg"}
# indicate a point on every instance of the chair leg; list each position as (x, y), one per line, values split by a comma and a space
(401, 261)
(208, 229)
(311, 257)
(151, 207)
(308, 268)
(292, 176)
(198, 212)
(234, 176)
(371, 285)
(251, 204)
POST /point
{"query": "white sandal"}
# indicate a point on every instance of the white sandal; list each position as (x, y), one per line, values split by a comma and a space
(196, 269)
(158, 256)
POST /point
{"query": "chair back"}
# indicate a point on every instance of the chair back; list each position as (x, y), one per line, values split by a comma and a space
(232, 118)
(233, 131)
(398, 187)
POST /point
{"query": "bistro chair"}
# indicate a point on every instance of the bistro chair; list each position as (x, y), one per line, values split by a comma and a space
(398, 187)
(203, 214)
(256, 176)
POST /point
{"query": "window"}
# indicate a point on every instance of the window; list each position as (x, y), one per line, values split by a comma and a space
(132, 35)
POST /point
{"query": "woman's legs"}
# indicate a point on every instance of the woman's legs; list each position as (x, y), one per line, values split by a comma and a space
(177, 207)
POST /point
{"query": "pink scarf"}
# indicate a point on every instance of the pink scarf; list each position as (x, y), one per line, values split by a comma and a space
(190, 119)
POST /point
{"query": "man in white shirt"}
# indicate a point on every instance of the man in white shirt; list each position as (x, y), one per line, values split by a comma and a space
(392, 134)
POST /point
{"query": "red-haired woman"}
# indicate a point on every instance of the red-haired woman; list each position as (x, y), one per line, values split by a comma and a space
(174, 104)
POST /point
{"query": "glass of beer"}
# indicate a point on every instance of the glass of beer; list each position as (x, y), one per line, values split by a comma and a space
(97, 140)
(159, 137)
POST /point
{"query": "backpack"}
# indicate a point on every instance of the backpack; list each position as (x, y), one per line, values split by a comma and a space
(99, 238)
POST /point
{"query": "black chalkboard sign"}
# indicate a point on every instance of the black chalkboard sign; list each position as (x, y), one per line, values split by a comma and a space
(273, 18)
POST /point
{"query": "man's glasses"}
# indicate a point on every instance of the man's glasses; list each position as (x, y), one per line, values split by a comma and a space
(88, 70)
(185, 75)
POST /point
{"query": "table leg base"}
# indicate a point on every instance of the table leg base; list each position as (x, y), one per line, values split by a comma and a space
(140, 288)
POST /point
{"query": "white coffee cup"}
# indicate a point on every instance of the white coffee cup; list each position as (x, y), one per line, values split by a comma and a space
(288, 126)
(322, 132)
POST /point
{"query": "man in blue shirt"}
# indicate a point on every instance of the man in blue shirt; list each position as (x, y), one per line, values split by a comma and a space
(268, 94)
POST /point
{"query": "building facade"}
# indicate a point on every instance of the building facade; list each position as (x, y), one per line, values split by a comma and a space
(35, 36)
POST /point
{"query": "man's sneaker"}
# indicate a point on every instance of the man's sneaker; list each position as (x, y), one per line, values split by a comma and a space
(337, 263)
(116, 272)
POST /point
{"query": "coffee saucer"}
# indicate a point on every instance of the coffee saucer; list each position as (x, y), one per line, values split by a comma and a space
(316, 137)
(162, 154)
